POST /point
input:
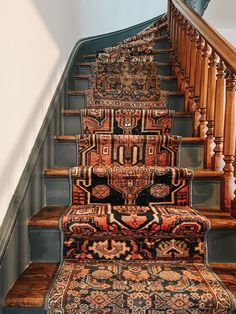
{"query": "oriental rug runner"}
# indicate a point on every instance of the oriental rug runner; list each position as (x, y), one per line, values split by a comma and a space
(132, 243)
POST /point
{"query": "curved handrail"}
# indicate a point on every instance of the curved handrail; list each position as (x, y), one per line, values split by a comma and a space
(222, 46)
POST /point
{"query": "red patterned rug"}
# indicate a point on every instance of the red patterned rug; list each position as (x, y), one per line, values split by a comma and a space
(102, 231)
(132, 150)
(132, 243)
(138, 287)
(126, 121)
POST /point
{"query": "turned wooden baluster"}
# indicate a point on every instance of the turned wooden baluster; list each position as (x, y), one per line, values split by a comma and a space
(188, 66)
(198, 75)
(233, 205)
(217, 161)
(178, 70)
(229, 140)
(183, 55)
(211, 95)
(203, 91)
(193, 57)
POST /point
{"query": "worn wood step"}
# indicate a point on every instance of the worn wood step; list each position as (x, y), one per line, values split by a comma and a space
(32, 286)
(30, 290)
(49, 216)
(198, 173)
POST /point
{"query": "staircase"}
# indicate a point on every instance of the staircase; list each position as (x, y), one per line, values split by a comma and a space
(146, 214)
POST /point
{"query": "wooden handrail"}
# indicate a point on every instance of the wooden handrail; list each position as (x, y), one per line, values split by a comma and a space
(222, 47)
(200, 57)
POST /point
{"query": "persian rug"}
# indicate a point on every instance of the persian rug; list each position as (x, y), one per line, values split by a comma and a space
(126, 86)
(100, 103)
(138, 287)
(136, 185)
(102, 231)
(125, 69)
(126, 121)
(132, 150)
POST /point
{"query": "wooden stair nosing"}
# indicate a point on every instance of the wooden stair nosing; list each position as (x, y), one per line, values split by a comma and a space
(77, 112)
(88, 64)
(219, 220)
(31, 289)
(82, 92)
(155, 51)
(162, 77)
(198, 173)
(72, 138)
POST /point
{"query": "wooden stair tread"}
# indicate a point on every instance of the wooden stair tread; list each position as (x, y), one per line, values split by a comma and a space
(88, 64)
(198, 173)
(72, 138)
(81, 76)
(77, 112)
(30, 290)
(155, 51)
(163, 77)
(47, 217)
(83, 92)
(219, 220)
(32, 286)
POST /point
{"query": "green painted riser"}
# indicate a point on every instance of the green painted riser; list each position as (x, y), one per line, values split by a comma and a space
(206, 192)
(24, 310)
(46, 245)
(191, 156)
(174, 102)
(72, 126)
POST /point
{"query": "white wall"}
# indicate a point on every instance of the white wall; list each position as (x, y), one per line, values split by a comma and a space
(221, 15)
(37, 37)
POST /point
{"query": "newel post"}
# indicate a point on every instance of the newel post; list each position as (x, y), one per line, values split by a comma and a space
(229, 140)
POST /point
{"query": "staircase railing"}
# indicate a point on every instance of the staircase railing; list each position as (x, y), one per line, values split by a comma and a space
(205, 64)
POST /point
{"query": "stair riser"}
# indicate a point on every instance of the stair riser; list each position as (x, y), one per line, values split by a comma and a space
(174, 102)
(46, 245)
(162, 44)
(161, 70)
(82, 84)
(206, 192)
(190, 155)
(24, 310)
(162, 57)
(72, 126)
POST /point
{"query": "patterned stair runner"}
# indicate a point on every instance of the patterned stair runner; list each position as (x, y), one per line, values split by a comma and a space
(132, 243)
(126, 121)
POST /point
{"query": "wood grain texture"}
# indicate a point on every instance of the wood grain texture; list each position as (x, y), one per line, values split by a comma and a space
(32, 286)
(227, 274)
(47, 217)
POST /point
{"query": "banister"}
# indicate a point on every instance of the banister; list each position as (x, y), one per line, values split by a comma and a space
(220, 45)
